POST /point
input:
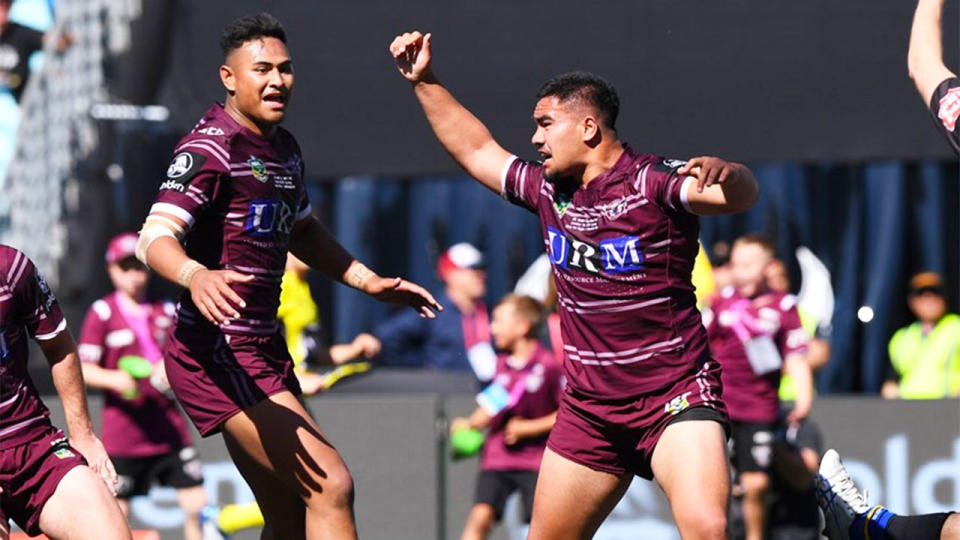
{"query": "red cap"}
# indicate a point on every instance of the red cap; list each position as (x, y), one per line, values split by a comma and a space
(121, 246)
(459, 256)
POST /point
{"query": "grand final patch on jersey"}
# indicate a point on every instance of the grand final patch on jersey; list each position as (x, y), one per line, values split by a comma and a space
(183, 167)
(258, 169)
(949, 109)
(617, 255)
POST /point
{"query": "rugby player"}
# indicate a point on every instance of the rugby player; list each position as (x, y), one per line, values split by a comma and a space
(620, 227)
(234, 194)
(46, 484)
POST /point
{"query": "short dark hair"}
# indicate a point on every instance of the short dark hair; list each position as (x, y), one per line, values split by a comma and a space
(248, 28)
(587, 87)
(527, 308)
(759, 239)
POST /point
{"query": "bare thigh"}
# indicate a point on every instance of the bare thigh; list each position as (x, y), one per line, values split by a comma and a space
(83, 508)
(572, 500)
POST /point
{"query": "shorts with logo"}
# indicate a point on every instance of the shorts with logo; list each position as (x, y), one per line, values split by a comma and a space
(495, 487)
(618, 436)
(751, 446)
(216, 375)
(29, 475)
(178, 469)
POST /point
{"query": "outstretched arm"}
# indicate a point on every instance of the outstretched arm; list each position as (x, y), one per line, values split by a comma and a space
(464, 137)
(925, 55)
(312, 243)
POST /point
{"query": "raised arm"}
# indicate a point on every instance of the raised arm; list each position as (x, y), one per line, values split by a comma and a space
(464, 137)
(925, 55)
(721, 187)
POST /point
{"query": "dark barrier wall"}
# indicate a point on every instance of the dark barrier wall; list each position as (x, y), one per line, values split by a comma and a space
(390, 444)
(751, 79)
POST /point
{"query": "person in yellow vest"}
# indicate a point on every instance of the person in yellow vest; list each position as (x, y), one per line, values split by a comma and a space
(925, 356)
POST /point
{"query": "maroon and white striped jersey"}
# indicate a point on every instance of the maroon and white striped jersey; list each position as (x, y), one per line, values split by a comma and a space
(622, 249)
(28, 309)
(240, 194)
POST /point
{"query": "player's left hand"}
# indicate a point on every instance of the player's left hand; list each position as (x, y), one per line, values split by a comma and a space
(96, 455)
(401, 291)
(797, 416)
(709, 170)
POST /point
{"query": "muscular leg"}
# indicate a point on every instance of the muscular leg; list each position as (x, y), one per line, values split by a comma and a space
(279, 448)
(690, 464)
(572, 500)
(755, 484)
(124, 505)
(479, 522)
(82, 508)
(191, 501)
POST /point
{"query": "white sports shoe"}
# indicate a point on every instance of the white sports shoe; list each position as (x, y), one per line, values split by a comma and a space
(838, 497)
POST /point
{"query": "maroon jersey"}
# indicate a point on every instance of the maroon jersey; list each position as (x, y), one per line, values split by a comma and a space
(148, 424)
(240, 194)
(622, 249)
(750, 337)
(537, 386)
(27, 309)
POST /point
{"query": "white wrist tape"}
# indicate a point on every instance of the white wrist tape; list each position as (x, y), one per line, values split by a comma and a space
(187, 271)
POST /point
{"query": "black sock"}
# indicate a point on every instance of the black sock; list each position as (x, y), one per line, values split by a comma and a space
(925, 527)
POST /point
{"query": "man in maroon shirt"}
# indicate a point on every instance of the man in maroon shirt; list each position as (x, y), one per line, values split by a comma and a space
(142, 429)
(45, 484)
(643, 394)
(519, 408)
(234, 194)
(755, 334)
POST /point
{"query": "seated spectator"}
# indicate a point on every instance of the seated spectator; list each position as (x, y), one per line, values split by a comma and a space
(459, 338)
(925, 356)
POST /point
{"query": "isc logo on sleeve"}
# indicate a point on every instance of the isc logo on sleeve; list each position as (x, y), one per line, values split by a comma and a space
(617, 255)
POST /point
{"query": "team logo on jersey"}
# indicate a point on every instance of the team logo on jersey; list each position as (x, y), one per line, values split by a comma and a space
(949, 109)
(677, 405)
(617, 255)
(181, 165)
(181, 170)
(46, 295)
(258, 169)
(561, 201)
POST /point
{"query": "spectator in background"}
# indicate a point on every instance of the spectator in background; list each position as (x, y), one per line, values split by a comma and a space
(459, 338)
(17, 45)
(301, 324)
(519, 408)
(818, 349)
(755, 334)
(925, 356)
(142, 429)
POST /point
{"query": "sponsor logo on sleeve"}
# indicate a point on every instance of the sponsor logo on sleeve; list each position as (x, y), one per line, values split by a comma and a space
(46, 295)
(183, 167)
(949, 109)
(210, 130)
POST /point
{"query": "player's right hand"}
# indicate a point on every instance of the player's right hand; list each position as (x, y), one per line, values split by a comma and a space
(367, 344)
(411, 52)
(93, 451)
(211, 293)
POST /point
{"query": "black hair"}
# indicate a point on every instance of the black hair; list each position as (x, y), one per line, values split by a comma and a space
(248, 28)
(587, 87)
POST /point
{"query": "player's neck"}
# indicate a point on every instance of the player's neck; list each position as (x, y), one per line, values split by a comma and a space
(523, 350)
(265, 131)
(603, 158)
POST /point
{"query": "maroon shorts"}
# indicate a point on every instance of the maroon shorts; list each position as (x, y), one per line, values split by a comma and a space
(618, 436)
(30, 473)
(217, 375)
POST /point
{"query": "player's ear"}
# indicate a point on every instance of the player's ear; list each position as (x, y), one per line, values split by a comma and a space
(589, 128)
(227, 78)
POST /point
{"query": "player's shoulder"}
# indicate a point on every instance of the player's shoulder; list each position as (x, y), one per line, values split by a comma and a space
(208, 144)
(13, 264)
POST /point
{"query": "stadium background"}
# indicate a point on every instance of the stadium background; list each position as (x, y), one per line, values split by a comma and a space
(813, 95)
